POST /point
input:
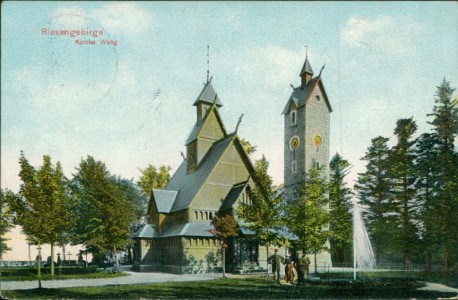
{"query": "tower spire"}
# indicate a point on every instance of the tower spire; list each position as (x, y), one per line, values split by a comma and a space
(306, 72)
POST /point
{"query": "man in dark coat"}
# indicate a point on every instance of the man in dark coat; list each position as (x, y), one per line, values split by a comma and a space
(302, 266)
(276, 260)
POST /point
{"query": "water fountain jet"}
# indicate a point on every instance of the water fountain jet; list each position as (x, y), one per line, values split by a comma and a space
(363, 256)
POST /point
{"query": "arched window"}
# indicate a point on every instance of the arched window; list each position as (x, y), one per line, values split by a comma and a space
(211, 216)
(196, 215)
(293, 117)
(201, 215)
(206, 215)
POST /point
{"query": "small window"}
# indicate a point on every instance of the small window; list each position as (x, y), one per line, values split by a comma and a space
(201, 215)
(317, 97)
(293, 117)
(293, 167)
(211, 216)
(206, 215)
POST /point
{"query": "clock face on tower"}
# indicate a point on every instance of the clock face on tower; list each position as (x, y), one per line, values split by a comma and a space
(294, 143)
(317, 141)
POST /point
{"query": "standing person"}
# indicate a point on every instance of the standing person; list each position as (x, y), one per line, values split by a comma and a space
(276, 261)
(289, 272)
(307, 264)
(300, 265)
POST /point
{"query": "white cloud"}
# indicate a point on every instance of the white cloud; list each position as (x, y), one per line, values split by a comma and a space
(115, 18)
(72, 17)
(124, 17)
(383, 34)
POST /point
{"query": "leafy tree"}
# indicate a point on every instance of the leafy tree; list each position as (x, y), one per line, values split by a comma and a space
(263, 215)
(153, 178)
(134, 195)
(139, 203)
(42, 206)
(444, 209)
(103, 211)
(307, 215)
(6, 219)
(340, 204)
(249, 149)
(404, 177)
(374, 188)
(223, 227)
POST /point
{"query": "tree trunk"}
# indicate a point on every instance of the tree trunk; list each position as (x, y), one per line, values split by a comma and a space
(446, 260)
(267, 259)
(316, 267)
(406, 261)
(116, 258)
(52, 258)
(39, 265)
(223, 255)
(30, 257)
(63, 250)
(428, 261)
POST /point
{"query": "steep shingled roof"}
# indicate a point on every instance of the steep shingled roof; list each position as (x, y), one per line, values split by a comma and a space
(201, 229)
(189, 184)
(147, 231)
(306, 68)
(233, 195)
(208, 95)
(300, 95)
(200, 124)
(164, 199)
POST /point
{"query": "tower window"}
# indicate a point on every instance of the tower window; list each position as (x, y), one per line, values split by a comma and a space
(317, 97)
(293, 117)
(293, 167)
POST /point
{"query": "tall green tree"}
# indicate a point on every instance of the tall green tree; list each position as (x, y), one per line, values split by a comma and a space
(6, 219)
(425, 167)
(374, 189)
(153, 178)
(308, 216)
(263, 215)
(42, 207)
(404, 177)
(223, 227)
(103, 211)
(445, 205)
(340, 204)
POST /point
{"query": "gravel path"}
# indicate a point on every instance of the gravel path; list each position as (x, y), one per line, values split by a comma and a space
(138, 278)
(438, 288)
(132, 278)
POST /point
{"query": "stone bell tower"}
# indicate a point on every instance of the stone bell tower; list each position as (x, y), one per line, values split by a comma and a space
(306, 129)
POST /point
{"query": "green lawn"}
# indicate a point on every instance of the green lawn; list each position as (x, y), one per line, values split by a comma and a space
(63, 277)
(239, 288)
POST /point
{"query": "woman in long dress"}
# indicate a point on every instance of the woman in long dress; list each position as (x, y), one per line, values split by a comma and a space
(289, 272)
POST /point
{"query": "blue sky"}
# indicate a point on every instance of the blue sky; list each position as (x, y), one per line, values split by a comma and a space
(383, 60)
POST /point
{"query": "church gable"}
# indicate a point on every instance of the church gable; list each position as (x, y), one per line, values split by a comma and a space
(233, 168)
(317, 94)
(213, 128)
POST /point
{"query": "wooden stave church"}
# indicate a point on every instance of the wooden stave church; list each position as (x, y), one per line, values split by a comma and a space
(215, 177)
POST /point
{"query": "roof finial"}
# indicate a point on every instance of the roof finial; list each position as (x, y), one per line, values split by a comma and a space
(306, 51)
(208, 63)
(238, 123)
(319, 75)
